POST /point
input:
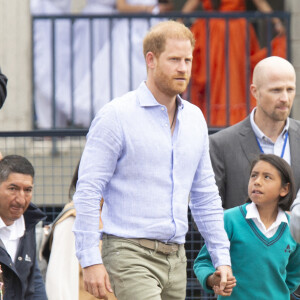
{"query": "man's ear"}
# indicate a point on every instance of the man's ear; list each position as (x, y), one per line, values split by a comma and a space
(150, 60)
(253, 90)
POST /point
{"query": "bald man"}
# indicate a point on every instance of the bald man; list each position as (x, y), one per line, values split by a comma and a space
(267, 129)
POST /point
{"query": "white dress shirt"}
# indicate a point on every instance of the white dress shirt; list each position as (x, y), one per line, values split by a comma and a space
(252, 213)
(10, 235)
(267, 145)
(145, 174)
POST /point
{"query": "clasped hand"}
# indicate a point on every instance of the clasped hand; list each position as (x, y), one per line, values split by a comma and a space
(222, 281)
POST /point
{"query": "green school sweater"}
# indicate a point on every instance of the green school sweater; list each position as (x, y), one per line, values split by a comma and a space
(265, 268)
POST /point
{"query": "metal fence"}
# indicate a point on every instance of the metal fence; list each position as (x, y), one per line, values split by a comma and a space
(54, 155)
(80, 62)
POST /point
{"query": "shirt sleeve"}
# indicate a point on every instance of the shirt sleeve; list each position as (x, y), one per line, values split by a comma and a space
(97, 166)
(203, 268)
(207, 210)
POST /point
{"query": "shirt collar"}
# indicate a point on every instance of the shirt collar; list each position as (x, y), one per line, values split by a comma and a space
(16, 230)
(146, 98)
(258, 133)
(252, 213)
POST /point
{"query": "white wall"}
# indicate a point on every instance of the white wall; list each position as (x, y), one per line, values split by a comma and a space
(15, 61)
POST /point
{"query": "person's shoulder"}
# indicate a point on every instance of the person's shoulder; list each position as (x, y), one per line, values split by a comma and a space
(192, 110)
(33, 215)
(125, 102)
(294, 123)
(231, 131)
(118, 104)
(190, 106)
(235, 211)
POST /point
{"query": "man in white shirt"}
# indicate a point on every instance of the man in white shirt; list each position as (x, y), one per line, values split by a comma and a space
(18, 217)
(145, 153)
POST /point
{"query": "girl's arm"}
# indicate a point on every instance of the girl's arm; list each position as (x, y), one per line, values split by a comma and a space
(264, 6)
(204, 269)
(209, 277)
(124, 7)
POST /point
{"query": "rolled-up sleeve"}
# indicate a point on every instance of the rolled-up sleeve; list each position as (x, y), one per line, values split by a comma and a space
(97, 165)
(206, 207)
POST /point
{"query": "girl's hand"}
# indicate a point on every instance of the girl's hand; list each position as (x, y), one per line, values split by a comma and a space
(214, 280)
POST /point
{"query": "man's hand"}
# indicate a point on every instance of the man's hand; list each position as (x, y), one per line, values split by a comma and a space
(96, 281)
(227, 281)
(214, 280)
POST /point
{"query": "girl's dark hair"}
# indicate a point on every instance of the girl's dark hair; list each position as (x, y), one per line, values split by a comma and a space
(286, 175)
(72, 187)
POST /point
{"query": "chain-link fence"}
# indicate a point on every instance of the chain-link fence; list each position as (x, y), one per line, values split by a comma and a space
(54, 155)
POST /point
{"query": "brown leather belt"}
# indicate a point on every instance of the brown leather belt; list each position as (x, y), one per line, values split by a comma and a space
(152, 244)
(158, 246)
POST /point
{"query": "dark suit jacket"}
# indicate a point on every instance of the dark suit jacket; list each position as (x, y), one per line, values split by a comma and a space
(232, 151)
(3, 92)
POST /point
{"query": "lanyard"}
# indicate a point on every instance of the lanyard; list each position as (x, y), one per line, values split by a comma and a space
(283, 148)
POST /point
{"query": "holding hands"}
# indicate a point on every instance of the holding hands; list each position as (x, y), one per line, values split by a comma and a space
(222, 281)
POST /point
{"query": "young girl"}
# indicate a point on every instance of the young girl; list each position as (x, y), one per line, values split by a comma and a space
(265, 257)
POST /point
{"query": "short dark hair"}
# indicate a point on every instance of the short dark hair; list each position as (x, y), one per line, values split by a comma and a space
(286, 175)
(15, 164)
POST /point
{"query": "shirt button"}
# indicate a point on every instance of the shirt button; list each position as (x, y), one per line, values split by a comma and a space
(166, 124)
(162, 108)
(20, 258)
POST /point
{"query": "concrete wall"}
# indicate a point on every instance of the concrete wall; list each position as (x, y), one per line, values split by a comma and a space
(15, 61)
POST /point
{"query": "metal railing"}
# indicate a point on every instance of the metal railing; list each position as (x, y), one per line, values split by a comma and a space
(53, 174)
(75, 73)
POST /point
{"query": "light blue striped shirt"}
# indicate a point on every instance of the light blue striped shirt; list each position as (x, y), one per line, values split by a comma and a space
(145, 174)
(266, 143)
